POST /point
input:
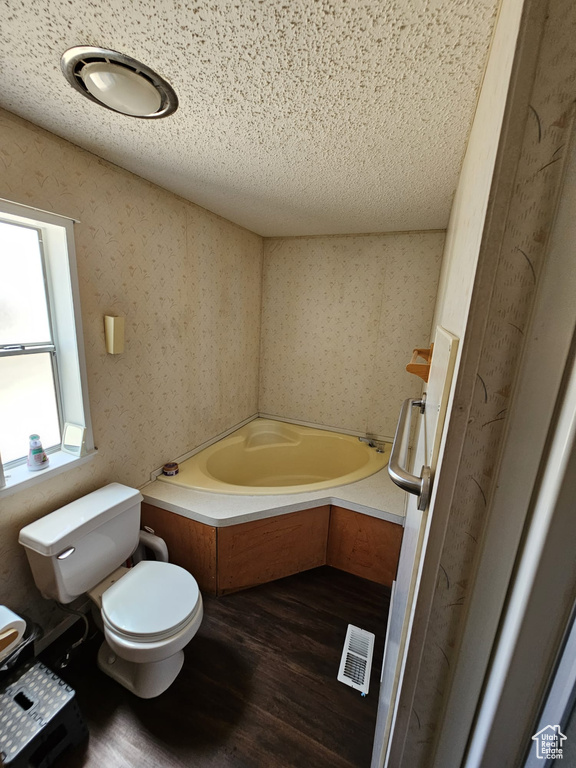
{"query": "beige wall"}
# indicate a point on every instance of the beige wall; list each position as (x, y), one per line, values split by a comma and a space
(188, 283)
(340, 317)
(339, 320)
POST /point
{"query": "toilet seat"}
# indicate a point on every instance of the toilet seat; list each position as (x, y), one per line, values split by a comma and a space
(152, 602)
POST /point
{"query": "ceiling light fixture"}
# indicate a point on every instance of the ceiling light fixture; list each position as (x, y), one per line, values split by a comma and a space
(118, 82)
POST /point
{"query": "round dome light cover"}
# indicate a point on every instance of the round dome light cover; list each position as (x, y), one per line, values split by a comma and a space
(118, 82)
(121, 89)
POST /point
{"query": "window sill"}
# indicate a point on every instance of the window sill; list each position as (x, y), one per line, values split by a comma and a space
(19, 478)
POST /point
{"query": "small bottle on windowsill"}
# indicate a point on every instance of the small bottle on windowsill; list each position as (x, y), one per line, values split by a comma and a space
(37, 459)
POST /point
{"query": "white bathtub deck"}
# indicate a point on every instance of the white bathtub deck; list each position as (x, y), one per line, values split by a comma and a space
(376, 496)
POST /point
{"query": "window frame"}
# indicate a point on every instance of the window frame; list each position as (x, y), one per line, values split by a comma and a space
(19, 348)
(58, 253)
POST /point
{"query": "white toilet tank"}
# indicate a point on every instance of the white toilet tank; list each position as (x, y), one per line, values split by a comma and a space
(74, 548)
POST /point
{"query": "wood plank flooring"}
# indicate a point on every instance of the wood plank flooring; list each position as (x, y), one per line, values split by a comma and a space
(258, 688)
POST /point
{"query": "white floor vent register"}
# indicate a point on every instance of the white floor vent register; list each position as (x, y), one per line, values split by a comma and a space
(356, 661)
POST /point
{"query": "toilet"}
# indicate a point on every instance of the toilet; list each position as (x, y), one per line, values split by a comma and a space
(148, 613)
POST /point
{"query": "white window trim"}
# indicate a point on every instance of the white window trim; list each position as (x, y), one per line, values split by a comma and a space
(64, 294)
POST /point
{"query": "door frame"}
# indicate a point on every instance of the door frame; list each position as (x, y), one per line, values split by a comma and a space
(533, 426)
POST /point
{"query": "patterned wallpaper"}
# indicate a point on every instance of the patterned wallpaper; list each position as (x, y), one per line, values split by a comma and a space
(340, 318)
(548, 120)
(188, 283)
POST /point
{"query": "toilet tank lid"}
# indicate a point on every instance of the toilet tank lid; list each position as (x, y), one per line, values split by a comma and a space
(52, 533)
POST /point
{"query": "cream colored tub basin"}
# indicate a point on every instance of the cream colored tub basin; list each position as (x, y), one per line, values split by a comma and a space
(272, 457)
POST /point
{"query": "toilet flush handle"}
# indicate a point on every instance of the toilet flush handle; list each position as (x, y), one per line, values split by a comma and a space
(66, 553)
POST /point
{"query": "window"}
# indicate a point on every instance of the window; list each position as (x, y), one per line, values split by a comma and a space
(42, 369)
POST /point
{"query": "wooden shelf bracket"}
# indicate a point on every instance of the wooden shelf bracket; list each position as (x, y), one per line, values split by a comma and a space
(421, 369)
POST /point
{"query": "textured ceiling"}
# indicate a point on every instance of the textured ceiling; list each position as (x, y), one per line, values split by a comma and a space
(296, 116)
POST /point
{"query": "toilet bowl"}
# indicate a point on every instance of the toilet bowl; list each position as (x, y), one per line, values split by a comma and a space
(148, 613)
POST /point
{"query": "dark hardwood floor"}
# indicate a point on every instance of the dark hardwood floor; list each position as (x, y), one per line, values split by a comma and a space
(258, 688)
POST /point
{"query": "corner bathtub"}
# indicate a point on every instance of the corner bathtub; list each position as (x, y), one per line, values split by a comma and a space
(272, 457)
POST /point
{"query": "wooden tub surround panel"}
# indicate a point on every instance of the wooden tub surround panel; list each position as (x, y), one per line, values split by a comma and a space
(191, 545)
(235, 557)
(364, 545)
(266, 550)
